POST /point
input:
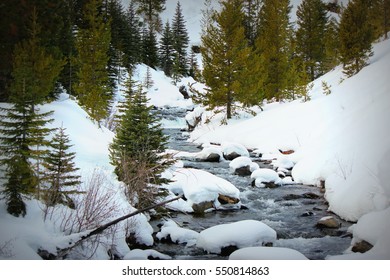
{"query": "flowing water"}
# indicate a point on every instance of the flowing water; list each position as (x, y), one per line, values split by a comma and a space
(291, 210)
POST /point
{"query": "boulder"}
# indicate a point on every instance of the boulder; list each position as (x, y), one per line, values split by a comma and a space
(328, 222)
(231, 155)
(224, 199)
(243, 171)
(361, 247)
(200, 208)
(213, 157)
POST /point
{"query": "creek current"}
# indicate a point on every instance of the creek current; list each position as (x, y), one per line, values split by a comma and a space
(291, 210)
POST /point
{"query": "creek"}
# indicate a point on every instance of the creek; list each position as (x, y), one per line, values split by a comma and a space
(291, 210)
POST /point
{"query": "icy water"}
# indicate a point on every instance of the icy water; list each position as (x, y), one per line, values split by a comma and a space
(291, 210)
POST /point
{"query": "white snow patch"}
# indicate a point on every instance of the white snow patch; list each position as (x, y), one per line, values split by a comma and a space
(138, 254)
(265, 175)
(242, 161)
(267, 253)
(240, 234)
(177, 234)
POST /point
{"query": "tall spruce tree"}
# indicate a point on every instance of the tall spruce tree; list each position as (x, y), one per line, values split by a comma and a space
(132, 44)
(22, 128)
(252, 10)
(136, 151)
(60, 175)
(166, 50)
(92, 43)
(356, 36)
(310, 35)
(226, 59)
(273, 45)
(180, 40)
(149, 54)
(379, 17)
(332, 44)
(150, 10)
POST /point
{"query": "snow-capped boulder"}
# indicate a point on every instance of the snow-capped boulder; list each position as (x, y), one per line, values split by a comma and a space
(243, 166)
(239, 235)
(203, 188)
(328, 222)
(194, 118)
(265, 177)
(149, 254)
(267, 253)
(283, 163)
(233, 150)
(171, 231)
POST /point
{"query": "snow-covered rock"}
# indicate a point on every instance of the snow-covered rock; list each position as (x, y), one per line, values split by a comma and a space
(267, 253)
(243, 166)
(240, 234)
(149, 254)
(328, 222)
(170, 230)
(233, 150)
(265, 177)
(199, 186)
(194, 117)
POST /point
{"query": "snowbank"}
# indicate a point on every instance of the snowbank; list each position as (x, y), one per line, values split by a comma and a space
(240, 234)
(267, 253)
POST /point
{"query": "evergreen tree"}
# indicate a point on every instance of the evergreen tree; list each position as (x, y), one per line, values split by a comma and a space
(180, 40)
(252, 10)
(138, 145)
(23, 142)
(150, 11)
(92, 44)
(149, 47)
(194, 70)
(356, 36)
(166, 50)
(332, 45)
(312, 22)
(35, 71)
(226, 59)
(379, 17)
(60, 171)
(132, 44)
(273, 45)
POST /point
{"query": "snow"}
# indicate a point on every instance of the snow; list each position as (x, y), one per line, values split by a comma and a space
(201, 186)
(177, 234)
(240, 234)
(267, 253)
(341, 138)
(265, 175)
(138, 254)
(234, 148)
(242, 161)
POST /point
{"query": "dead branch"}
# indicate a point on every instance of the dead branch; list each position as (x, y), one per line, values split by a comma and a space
(100, 229)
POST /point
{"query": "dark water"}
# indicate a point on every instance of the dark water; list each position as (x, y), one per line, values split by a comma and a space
(291, 210)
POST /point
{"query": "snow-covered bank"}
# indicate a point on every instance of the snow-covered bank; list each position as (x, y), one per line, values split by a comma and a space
(342, 138)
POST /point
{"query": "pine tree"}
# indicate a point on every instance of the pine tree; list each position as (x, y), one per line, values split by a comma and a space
(149, 48)
(180, 40)
(148, 81)
(23, 142)
(226, 59)
(35, 71)
(92, 44)
(150, 11)
(273, 45)
(166, 50)
(252, 19)
(356, 37)
(132, 44)
(22, 128)
(312, 22)
(379, 17)
(194, 70)
(136, 151)
(60, 171)
(332, 45)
